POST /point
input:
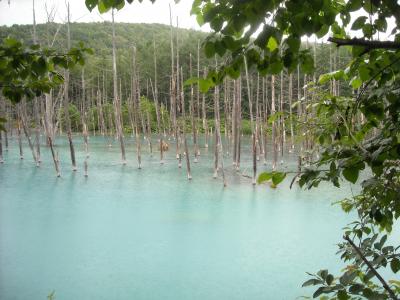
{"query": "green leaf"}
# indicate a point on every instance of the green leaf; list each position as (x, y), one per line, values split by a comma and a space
(272, 44)
(103, 7)
(319, 291)
(329, 279)
(351, 174)
(209, 49)
(90, 4)
(205, 84)
(395, 265)
(263, 177)
(312, 281)
(278, 177)
(342, 295)
(356, 83)
(359, 23)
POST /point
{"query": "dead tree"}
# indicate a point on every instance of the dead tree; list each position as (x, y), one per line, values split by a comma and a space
(66, 99)
(117, 102)
(189, 173)
(253, 133)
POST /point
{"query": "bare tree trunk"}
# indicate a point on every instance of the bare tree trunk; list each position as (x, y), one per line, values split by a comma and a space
(291, 111)
(178, 103)
(238, 121)
(21, 152)
(219, 155)
(66, 100)
(155, 96)
(22, 115)
(274, 137)
(192, 112)
(117, 102)
(55, 156)
(265, 118)
(282, 119)
(1, 149)
(187, 155)
(253, 133)
(258, 125)
(149, 134)
(84, 115)
(205, 124)
(35, 101)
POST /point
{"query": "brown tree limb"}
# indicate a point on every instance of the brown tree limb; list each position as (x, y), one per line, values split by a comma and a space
(365, 43)
(373, 270)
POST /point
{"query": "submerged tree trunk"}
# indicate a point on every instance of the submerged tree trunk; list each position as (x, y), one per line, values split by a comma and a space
(274, 135)
(117, 102)
(192, 112)
(1, 148)
(66, 100)
(253, 133)
(219, 153)
(84, 125)
(204, 114)
(23, 117)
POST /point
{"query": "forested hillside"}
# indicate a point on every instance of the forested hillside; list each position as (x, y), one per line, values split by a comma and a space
(99, 37)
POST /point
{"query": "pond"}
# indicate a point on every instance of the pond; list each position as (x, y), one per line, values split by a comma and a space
(124, 233)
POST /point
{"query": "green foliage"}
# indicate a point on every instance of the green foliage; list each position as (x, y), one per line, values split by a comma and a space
(275, 177)
(106, 5)
(30, 71)
(75, 118)
(359, 136)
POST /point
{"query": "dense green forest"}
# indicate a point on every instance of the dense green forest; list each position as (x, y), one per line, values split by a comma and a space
(98, 36)
(98, 67)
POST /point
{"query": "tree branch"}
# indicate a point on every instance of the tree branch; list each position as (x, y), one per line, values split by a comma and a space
(380, 278)
(365, 43)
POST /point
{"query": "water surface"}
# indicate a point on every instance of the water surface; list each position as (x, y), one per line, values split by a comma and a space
(124, 233)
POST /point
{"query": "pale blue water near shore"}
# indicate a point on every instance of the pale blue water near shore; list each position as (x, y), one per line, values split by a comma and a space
(124, 233)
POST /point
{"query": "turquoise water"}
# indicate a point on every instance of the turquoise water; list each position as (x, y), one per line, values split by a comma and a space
(124, 233)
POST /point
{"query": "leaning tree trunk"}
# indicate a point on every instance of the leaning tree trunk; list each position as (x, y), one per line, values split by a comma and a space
(22, 115)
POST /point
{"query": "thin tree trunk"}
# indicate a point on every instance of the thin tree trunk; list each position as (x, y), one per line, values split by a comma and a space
(192, 112)
(291, 111)
(1, 149)
(66, 100)
(253, 133)
(218, 141)
(22, 115)
(117, 102)
(205, 124)
(21, 152)
(274, 135)
(84, 116)
(265, 119)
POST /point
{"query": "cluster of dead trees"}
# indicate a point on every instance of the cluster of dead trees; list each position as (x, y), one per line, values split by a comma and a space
(272, 106)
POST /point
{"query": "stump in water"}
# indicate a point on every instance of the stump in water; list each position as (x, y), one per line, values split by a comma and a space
(163, 146)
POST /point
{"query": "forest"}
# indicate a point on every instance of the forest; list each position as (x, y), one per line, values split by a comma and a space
(285, 106)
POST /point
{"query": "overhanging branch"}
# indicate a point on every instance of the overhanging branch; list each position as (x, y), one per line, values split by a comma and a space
(365, 43)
